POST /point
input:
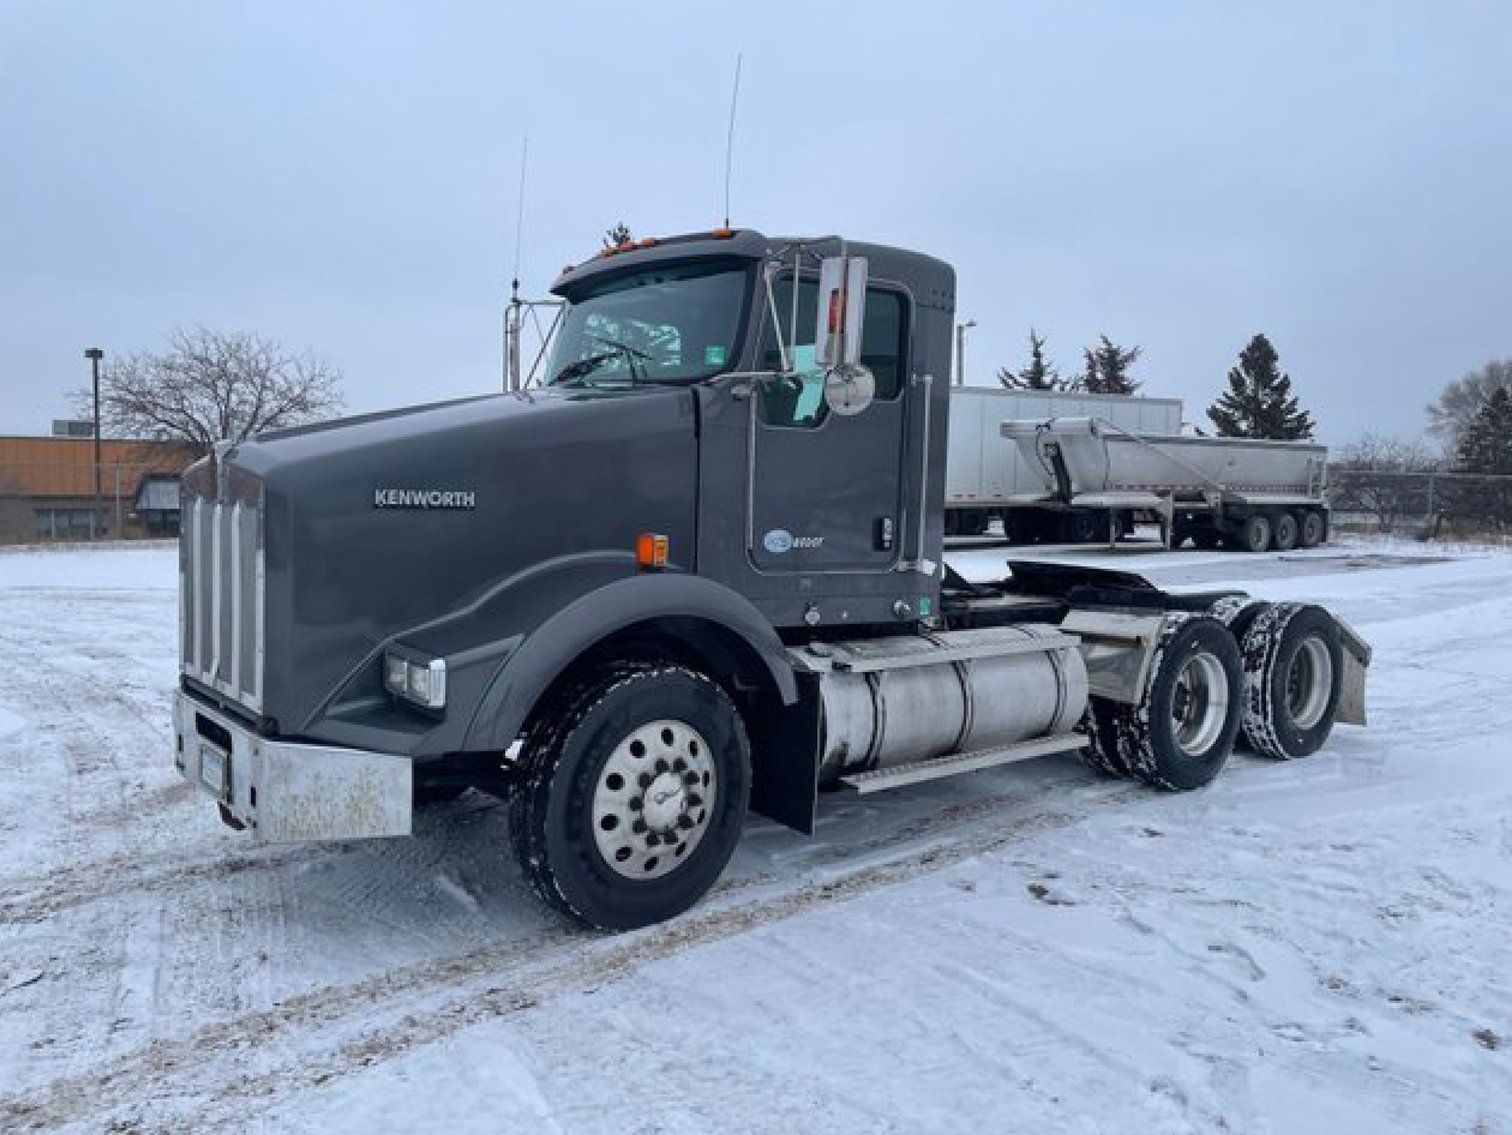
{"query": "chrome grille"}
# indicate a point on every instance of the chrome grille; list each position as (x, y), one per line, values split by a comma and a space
(221, 595)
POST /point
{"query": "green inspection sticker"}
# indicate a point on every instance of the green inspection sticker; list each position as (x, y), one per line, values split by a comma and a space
(715, 356)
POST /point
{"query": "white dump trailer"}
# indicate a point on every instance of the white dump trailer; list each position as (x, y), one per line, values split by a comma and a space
(987, 477)
(1244, 493)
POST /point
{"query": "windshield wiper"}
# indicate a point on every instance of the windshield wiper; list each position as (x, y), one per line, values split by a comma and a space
(631, 355)
(575, 372)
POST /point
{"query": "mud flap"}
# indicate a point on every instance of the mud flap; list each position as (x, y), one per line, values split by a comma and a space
(1351, 708)
(785, 751)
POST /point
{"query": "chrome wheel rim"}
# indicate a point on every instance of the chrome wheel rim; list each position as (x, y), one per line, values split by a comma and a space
(653, 799)
(1309, 679)
(1199, 705)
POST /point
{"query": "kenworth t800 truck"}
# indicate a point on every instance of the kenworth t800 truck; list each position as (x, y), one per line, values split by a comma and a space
(699, 570)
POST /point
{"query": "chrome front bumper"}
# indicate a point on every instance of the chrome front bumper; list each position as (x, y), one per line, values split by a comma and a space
(284, 791)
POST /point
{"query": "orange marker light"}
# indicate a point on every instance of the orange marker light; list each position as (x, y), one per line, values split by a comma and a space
(650, 551)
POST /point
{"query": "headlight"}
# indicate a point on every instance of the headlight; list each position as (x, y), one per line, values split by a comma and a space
(419, 680)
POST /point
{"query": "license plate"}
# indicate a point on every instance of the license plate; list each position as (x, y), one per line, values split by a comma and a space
(213, 763)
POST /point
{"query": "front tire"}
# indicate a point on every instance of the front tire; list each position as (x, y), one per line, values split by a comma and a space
(633, 796)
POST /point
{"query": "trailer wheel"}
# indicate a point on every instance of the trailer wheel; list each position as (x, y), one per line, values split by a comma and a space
(1284, 538)
(1255, 533)
(1311, 534)
(1293, 673)
(1088, 526)
(1182, 731)
(633, 796)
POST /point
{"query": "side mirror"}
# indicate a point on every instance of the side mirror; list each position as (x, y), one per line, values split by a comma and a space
(842, 309)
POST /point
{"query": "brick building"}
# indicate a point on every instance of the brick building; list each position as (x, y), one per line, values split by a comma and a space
(47, 488)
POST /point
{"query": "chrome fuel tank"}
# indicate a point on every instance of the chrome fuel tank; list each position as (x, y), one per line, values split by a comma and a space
(908, 698)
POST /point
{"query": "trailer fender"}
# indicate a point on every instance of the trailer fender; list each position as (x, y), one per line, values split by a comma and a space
(547, 651)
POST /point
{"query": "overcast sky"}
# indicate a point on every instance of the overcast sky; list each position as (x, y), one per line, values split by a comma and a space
(343, 176)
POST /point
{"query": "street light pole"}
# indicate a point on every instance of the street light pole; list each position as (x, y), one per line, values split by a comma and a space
(961, 350)
(94, 355)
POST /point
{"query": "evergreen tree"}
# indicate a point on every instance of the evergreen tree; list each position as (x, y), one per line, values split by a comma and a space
(1259, 401)
(1485, 447)
(1485, 444)
(618, 235)
(1040, 374)
(1107, 368)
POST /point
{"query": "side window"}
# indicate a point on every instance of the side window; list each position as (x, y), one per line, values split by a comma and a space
(798, 400)
(882, 341)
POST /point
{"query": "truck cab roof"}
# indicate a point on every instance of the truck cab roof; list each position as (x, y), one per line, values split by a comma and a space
(932, 280)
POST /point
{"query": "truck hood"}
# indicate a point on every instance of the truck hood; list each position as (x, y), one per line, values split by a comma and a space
(388, 527)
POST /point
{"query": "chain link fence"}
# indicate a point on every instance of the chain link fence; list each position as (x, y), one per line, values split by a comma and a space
(1421, 504)
(45, 502)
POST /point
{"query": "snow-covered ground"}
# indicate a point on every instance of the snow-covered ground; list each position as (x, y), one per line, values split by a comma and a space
(1322, 946)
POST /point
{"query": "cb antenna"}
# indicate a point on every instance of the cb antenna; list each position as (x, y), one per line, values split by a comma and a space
(514, 323)
(730, 138)
(514, 283)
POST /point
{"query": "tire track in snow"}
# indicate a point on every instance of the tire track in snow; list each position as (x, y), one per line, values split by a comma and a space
(39, 897)
(186, 1074)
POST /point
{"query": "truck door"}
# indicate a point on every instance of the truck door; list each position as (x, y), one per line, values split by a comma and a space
(824, 490)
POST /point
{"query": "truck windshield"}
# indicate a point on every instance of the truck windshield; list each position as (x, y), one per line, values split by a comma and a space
(662, 324)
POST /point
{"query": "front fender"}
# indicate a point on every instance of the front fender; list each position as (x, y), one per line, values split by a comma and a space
(529, 670)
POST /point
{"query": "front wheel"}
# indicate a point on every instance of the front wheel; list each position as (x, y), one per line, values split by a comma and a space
(633, 796)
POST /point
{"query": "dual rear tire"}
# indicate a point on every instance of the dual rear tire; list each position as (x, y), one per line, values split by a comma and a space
(1269, 674)
(1181, 732)
(1293, 660)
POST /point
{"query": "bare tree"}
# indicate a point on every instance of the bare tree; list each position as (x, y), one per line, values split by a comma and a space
(211, 386)
(1386, 477)
(1462, 399)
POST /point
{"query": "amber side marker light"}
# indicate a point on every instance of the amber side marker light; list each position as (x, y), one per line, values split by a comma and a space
(650, 551)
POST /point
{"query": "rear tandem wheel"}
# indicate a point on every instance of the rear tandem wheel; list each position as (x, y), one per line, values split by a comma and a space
(1182, 731)
(1293, 674)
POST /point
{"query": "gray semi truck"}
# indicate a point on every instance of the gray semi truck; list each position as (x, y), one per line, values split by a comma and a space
(698, 571)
